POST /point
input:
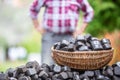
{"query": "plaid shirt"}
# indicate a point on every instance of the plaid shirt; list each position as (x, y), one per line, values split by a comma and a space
(61, 16)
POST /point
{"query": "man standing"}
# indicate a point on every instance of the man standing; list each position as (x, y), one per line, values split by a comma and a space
(59, 21)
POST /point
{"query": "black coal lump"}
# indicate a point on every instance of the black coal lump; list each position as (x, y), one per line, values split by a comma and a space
(93, 38)
(89, 73)
(64, 75)
(64, 43)
(96, 45)
(72, 40)
(43, 75)
(108, 71)
(117, 71)
(107, 46)
(30, 71)
(71, 47)
(116, 78)
(64, 48)
(88, 37)
(34, 77)
(57, 69)
(66, 68)
(2, 76)
(57, 45)
(104, 41)
(78, 45)
(83, 48)
(80, 38)
(10, 72)
(23, 78)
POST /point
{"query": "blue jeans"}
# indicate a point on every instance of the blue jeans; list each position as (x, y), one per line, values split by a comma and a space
(48, 40)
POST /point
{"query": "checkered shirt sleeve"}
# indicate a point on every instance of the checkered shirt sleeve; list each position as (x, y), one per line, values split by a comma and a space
(35, 8)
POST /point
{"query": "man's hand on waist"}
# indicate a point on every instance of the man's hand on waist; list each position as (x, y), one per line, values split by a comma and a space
(38, 26)
(40, 30)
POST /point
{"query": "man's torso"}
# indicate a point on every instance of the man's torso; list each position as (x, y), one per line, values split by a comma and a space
(61, 15)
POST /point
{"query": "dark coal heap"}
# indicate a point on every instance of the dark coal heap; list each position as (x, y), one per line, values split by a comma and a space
(83, 43)
(34, 71)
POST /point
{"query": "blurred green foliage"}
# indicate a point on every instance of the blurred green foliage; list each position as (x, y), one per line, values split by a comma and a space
(2, 41)
(11, 64)
(32, 43)
(107, 17)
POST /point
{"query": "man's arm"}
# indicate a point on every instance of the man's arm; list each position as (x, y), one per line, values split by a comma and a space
(37, 26)
(88, 16)
(34, 10)
(35, 23)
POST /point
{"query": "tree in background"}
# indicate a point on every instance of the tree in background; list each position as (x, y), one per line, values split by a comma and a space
(107, 17)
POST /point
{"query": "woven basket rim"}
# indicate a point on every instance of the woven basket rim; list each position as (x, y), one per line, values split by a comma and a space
(71, 58)
(83, 52)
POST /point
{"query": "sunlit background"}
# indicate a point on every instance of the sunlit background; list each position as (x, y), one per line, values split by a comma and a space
(20, 42)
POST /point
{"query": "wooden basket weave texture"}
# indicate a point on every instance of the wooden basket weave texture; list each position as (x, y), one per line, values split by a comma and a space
(84, 60)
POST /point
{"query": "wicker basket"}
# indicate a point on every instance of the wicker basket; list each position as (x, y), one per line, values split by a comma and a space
(84, 60)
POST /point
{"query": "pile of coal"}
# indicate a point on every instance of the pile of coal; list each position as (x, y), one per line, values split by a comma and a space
(83, 43)
(34, 71)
